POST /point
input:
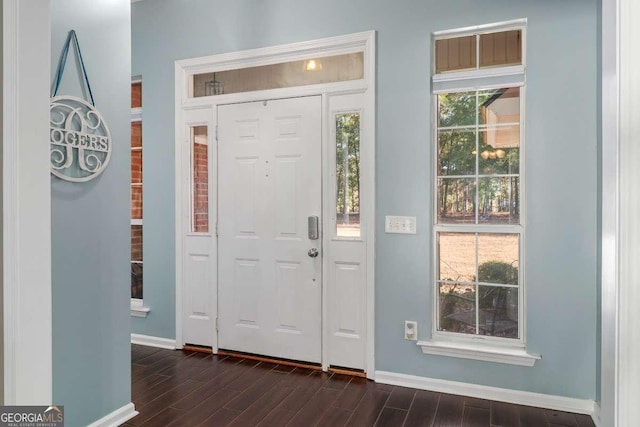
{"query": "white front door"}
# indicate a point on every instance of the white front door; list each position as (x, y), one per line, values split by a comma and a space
(269, 184)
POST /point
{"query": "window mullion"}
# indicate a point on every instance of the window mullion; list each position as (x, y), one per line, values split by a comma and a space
(477, 159)
(477, 196)
(477, 292)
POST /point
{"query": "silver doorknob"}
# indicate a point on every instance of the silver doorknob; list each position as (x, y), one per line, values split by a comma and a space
(313, 252)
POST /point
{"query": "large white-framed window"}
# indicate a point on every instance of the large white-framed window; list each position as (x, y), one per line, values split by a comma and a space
(137, 306)
(478, 89)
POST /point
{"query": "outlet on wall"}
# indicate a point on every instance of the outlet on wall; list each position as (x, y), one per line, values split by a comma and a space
(410, 330)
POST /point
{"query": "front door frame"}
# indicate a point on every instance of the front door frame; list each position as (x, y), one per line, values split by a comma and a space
(184, 71)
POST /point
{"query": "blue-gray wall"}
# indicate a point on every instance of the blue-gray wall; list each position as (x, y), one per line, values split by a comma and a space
(90, 225)
(561, 164)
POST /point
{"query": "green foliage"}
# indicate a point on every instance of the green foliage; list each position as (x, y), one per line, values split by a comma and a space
(348, 163)
(498, 272)
(457, 109)
(459, 154)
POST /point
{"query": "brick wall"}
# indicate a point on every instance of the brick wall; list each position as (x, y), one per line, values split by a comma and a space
(136, 170)
(136, 243)
(136, 184)
(200, 188)
(136, 134)
(136, 95)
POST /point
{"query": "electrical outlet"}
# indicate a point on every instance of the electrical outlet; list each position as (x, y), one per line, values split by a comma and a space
(410, 330)
(400, 224)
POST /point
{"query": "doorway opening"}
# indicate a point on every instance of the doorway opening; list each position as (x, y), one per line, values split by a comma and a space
(275, 202)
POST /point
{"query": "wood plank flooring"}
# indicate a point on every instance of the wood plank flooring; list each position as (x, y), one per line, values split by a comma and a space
(186, 388)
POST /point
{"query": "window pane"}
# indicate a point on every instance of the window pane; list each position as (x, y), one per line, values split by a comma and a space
(136, 261)
(457, 257)
(136, 166)
(457, 305)
(348, 175)
(456, 152)
(457, 109)
(498, 258)
(456, 201)
(136, 280)
(136, 243)
(136, 134)
(200, 179)
(136, 95)
(498, 315)
(499, 49)
(499, 200)
(289, 74)
(499, 106)
(456, 54)
(500, 150)
(136, 201)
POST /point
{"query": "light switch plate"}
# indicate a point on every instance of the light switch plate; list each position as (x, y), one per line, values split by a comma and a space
(400, 224)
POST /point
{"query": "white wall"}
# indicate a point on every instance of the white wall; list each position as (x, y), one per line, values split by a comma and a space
(26, 202)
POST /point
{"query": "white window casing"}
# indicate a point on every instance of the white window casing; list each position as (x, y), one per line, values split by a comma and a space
(476, 346)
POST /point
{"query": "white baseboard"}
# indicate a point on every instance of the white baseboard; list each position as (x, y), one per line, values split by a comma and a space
(117, 417)
(153, 341)
(596, 415)
(558, 403)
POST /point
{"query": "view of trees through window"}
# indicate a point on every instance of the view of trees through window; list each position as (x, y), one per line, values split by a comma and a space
(348, 174)
(478, 182)
(479, 157)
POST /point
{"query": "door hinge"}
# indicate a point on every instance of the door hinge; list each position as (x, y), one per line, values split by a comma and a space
(217, 230)
(217, 327)
(216, 133)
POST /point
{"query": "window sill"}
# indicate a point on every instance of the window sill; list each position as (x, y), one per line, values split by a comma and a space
(511, 356)
(138, 310)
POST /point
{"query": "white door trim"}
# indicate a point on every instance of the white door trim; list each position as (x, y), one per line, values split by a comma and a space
(360, 42)
(628, 392)
(620, 374)
(26, 194)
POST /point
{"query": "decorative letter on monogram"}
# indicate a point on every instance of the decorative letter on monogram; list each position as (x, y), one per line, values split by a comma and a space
(80, 139)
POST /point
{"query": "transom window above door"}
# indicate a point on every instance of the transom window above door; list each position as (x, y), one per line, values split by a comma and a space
(309, 71)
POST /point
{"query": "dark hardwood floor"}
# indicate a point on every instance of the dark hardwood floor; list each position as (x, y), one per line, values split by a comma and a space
(182, 388)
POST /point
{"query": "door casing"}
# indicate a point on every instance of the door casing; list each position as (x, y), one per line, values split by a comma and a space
(363, 90)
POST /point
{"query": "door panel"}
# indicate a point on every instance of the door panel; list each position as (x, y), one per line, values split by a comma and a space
(269, 184)
(199, 251)
(346, 240)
